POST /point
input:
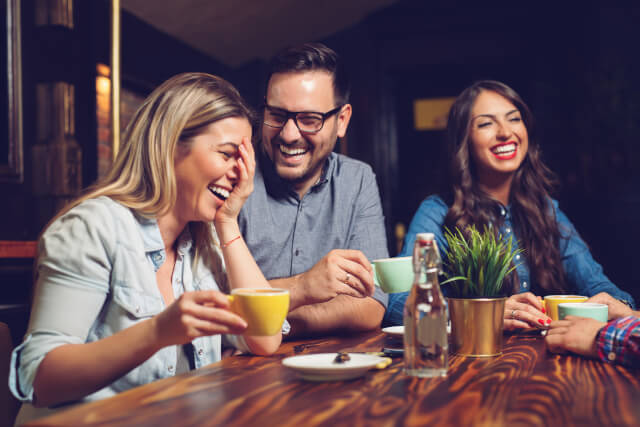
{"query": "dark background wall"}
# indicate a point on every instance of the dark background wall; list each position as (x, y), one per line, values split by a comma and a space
(576, 66)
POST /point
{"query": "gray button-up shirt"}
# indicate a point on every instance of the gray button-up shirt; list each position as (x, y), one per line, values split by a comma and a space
(288, 235)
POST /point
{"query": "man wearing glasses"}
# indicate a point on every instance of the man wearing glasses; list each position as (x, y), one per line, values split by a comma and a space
(314, 220)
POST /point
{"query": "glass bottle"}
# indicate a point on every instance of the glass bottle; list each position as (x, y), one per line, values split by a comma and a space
(426, 345)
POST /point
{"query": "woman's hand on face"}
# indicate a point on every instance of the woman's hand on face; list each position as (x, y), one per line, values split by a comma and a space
(575, 334)
(246, 164)
(616, 307)
(196, 314)
(523, 311)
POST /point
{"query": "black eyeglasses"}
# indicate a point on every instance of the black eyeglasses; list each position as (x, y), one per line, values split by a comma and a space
(306, 121)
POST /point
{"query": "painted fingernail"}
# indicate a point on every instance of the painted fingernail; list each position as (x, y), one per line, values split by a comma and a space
(541, 321)
(543, 310)
(548, 321)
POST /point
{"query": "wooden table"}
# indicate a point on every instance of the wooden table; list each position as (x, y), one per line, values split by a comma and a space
(524, 386)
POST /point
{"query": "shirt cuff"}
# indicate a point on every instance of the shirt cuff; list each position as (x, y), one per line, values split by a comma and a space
(380, 296)
(610, 341)
(286, 328)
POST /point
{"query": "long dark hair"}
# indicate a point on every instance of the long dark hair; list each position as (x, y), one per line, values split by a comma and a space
(532, 214)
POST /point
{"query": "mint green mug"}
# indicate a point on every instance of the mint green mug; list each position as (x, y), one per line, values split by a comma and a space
(393, 274)
(584, 309)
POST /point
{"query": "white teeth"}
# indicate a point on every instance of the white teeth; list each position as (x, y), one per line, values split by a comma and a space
(222, 192)
(292, 151)
(504, 149)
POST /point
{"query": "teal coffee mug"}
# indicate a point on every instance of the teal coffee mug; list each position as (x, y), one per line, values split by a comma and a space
(584, 309)
(393, 274)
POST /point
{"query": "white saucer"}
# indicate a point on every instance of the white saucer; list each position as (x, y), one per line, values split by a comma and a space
(320, 367)
(394, 331)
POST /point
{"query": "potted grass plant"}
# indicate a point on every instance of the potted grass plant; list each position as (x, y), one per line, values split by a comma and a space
(477, 265)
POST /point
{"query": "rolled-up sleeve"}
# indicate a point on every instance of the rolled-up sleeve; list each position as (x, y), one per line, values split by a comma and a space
(73, 273)
(429, 218)
(368, 233)
(619, 341)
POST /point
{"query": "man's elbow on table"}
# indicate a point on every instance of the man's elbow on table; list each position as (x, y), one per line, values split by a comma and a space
(341, 314)
(368, 317)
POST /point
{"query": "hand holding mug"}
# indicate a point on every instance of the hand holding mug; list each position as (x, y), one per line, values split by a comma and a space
(340, 272)
(523, 311)
(196, 314)
(575, 334)
(616, 307)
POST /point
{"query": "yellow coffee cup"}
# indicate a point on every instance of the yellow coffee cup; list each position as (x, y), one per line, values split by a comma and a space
(550, 303)
(264, 309)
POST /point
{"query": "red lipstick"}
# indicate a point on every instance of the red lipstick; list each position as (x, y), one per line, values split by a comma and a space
(505, 155)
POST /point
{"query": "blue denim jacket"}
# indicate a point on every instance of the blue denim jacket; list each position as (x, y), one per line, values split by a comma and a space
(96, 276)
(582, 272)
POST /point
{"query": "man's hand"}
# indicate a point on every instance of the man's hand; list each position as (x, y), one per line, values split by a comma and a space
(575, 334)
(616, 307)
(340, 272)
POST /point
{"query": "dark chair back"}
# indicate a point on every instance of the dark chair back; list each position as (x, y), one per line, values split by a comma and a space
(9, 405)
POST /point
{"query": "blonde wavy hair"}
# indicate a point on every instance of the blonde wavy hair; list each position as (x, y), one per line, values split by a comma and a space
(142, 176)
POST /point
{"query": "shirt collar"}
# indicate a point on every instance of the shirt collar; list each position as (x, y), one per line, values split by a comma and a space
(152, 239)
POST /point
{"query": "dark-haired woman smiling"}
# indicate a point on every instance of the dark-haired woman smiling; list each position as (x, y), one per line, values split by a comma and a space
(498, 178)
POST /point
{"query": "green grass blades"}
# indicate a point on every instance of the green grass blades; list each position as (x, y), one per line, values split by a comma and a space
(477, 265)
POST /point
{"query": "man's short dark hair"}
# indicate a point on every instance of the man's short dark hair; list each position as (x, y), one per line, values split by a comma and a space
(312, 57)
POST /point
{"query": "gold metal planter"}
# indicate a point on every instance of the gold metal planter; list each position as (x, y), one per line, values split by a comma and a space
(477, 326)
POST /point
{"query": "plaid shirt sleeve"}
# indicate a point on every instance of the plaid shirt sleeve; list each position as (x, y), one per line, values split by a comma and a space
(619, 341)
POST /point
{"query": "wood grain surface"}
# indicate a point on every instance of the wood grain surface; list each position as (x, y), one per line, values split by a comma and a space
(526, 385)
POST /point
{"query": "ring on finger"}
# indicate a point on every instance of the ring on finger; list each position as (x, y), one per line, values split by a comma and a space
(513, 314)
(346, 279)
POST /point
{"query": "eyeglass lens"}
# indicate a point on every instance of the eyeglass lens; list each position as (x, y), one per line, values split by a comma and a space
(306, 122)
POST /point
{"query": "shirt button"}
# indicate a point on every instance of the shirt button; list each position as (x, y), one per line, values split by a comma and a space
(524, 284)
(503, 212)
(297, 252)
(137, 309)
(611, 356)
(200, 352)
(508, 230)
(170, 368)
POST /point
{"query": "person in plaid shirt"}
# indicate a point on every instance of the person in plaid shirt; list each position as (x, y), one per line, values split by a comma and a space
(617, 341)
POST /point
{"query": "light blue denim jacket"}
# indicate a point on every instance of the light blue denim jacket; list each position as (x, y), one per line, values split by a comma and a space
(583, 273)
(96, 276)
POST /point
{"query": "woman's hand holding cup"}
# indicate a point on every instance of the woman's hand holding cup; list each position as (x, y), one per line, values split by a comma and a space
(196, 314)
(524, 310)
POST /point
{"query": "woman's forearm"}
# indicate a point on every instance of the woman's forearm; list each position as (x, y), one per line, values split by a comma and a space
(242, 269)
(243, 272)
(73, 371)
